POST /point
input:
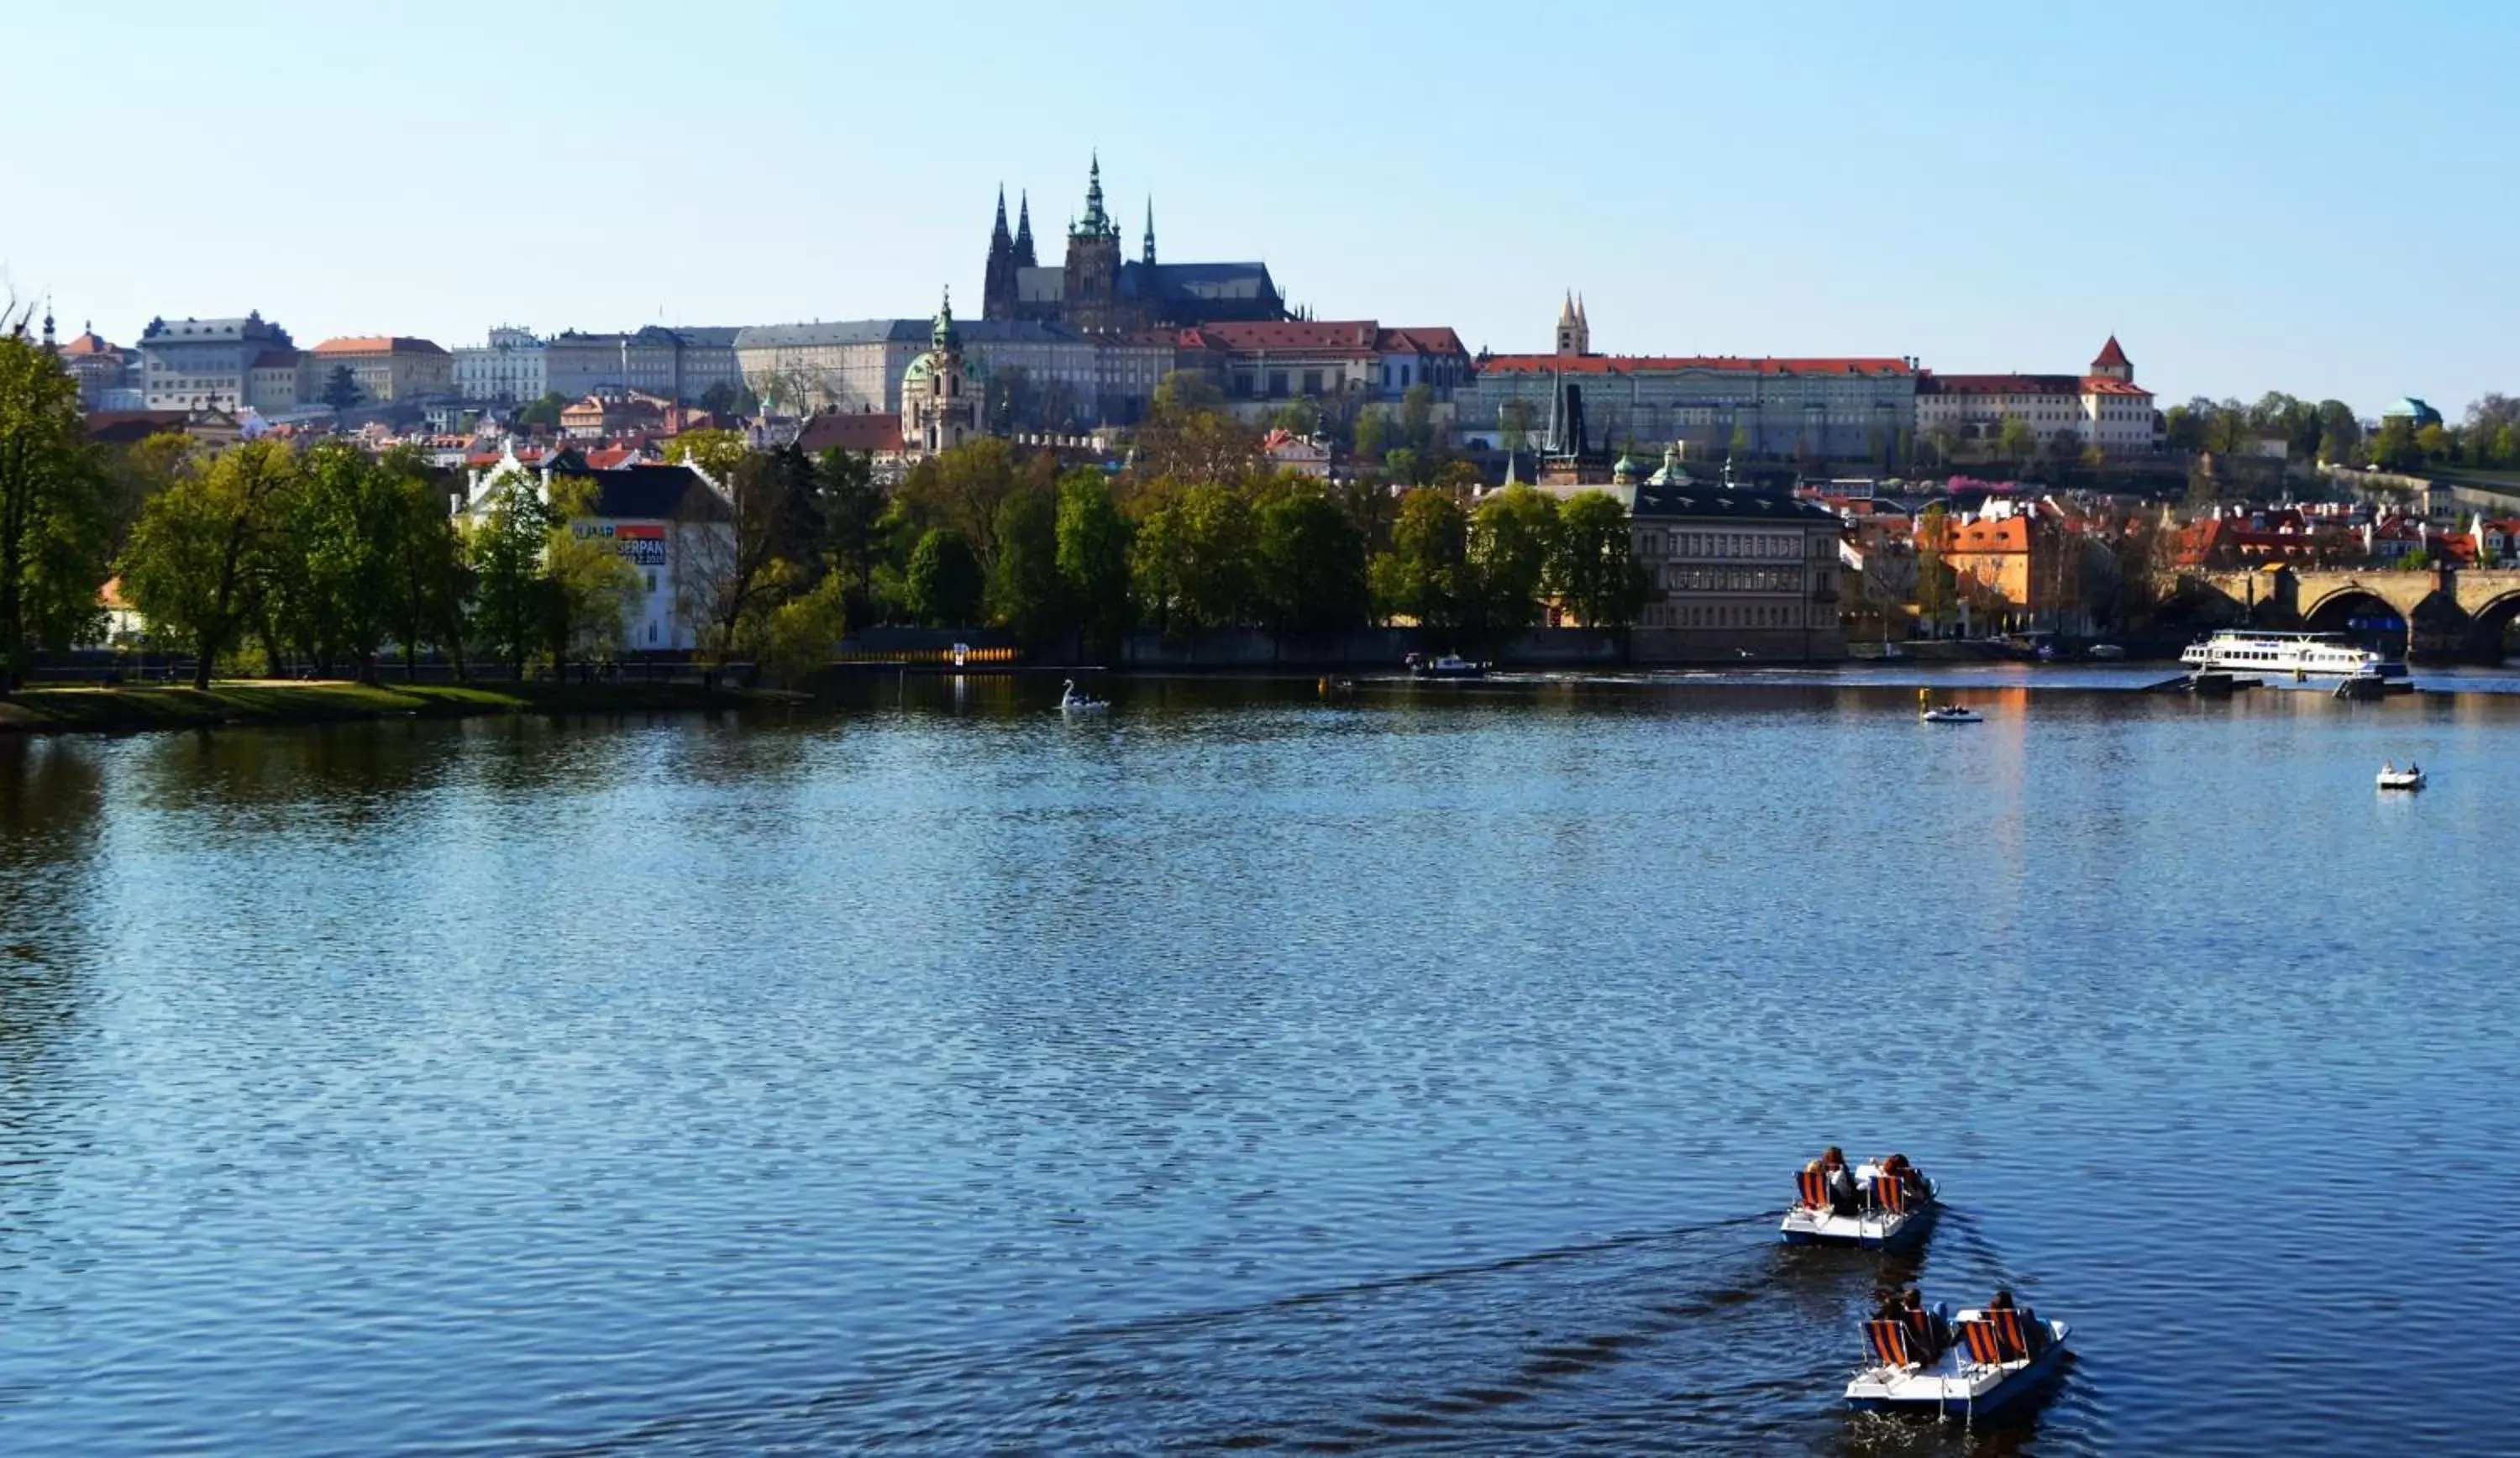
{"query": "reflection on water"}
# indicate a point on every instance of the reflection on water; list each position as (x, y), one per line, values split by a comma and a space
(934, 1074)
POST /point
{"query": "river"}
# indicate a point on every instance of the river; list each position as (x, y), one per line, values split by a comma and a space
(1422, 1072)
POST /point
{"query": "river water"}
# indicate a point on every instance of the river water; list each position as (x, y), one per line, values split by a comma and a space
(1423, 1074)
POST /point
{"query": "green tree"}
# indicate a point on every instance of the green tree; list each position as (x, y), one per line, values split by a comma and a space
(1405, 466)
(1094, 555)
(943, 586)
(543, 414)
(1425, 576)
(431, 586)
(2014, 440)
(1372, 438)
(585, 588)
(341, 546)
(1417, 419)
(504, 543)
(342, 388)
(202, 545)
(1515, 420)
(1190, 436)
(56, 524)
(1310, 561)
(850, 505)
(749, 540)
(1594, 575)
(1937, 585)
(1024, 593)
(2394, 448)
(2433, 444)
(1513, 537)
(1218, 583)
(802, 632)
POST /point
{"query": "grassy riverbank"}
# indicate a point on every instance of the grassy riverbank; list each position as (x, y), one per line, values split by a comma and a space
(124, 710)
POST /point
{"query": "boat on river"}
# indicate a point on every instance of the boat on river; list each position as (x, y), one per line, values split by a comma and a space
(1447, 666)
(1884, 1215)
(1994, 1358)
(2299, 655)
(1950, 714)
(2391, 778)
(1072, 702)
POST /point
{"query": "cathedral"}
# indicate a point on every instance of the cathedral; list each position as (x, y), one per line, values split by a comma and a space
(1097, 290)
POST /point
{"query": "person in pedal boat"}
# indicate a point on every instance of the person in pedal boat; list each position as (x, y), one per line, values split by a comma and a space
(1841, 1180)
(1909, 1178)
(1927, 1333)
(2033, 1333)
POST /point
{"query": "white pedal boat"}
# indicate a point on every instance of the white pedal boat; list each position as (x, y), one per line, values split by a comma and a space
(2400, 779)
(1950, 714)
(1885, 1216)
(1988, 1366)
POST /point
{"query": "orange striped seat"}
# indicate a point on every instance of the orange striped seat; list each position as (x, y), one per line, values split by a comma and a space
(1889, 1194)
(2008, 1329)
(1985, 1345)
(1889, 1343)
(1813, 1186)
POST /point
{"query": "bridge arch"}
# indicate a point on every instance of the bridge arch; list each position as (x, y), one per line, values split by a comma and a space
(2489, 626)
(2343, 605)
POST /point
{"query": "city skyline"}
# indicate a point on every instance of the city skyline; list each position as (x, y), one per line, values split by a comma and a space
(1985, 198)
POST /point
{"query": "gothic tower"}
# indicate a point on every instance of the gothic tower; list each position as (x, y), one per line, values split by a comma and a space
(2112, 363)
(1023, 232)
(998, 281)
(1574, 331)
(1150, 258)
(1091, 286)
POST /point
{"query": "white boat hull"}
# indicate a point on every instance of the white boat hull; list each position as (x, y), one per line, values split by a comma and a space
(1954, 1386)
(1871, 1230)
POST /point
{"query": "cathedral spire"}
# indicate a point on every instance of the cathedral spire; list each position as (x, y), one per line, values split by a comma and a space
(999, 235)
(1023, 231)
(1151, 231)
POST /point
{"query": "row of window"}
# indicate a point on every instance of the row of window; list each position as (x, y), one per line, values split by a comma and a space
(1735, 615)
(1733, 579)
(1778, 546)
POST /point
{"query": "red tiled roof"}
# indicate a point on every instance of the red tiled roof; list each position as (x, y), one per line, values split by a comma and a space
(90, 343)
(1639, 364)
(1931, 383)
(2112, 357)
(1437, 340)
(377, 344)
(1318, 336)
(608, 457)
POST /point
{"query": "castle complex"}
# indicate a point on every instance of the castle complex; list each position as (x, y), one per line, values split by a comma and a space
(1097, 290)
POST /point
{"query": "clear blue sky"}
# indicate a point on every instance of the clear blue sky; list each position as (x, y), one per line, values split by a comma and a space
(2319, 198)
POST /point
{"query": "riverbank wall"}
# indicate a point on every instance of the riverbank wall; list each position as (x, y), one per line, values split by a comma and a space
(130, 710)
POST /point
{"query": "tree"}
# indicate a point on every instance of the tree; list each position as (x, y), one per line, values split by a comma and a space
(342, 388)
(429, 582)
(1515, 419)
(1595, 575)
(944, 582)
(543, 414)
(960, 489)
(2014, 440)
(1425, 574)
(1937, 585)
(1404, 466)
(341, 541)
(850, 505)
(726, 400)
(1218, 582)
(1025, 594)
(1513, 537)
(2394, 448)
(504, 545)
(1190, 436)
(1372, 438)
(586, 588)
(2433, 444)
(1094, 555)
(802, 632)
(201, 547)
(747, 545)
(56, 518)
(1418, 418)
(1310, 561)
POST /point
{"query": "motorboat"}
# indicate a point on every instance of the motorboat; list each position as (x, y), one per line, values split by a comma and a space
(2301, 655)
(1950, 714)
(1446, 666)
(1072, 702)
(2105, 653)
(2391, 778)
(1884, 1214)
(1996, 1358)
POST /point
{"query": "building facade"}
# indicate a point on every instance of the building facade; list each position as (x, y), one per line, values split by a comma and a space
(101, 368)
(386, 367)
(2103, 406)
(670, 522)
(678, 364)
(1571, 400)
(207, 364)
(1097, 289)
(1730, 572)
(1260, 365)
(511, 369)
(941, 392)
(1042, 376)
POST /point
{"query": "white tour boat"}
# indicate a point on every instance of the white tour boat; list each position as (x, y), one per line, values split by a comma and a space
(2328, 655)
(1994, 1358)
(1883, 1214)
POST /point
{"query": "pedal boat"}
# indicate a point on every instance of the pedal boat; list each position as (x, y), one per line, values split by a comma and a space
(1886, 1217)
(2400, 779)
(1988, 1367)
(1952, 714)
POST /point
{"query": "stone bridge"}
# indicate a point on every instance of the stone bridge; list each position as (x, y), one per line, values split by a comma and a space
(2471, 609)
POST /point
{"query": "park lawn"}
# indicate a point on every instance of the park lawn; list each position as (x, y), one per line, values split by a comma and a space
(125, 709)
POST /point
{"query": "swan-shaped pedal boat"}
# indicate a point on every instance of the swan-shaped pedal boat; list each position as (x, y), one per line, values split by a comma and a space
(1072, 702)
